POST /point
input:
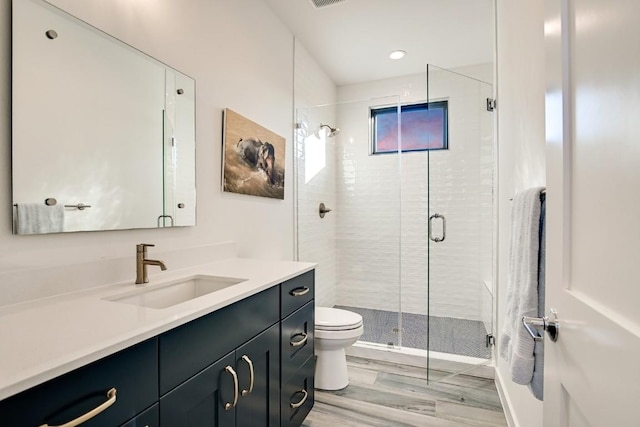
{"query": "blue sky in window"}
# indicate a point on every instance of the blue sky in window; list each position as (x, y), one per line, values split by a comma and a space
(421, 129)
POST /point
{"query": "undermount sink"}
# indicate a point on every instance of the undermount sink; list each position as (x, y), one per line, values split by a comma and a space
(176, 292)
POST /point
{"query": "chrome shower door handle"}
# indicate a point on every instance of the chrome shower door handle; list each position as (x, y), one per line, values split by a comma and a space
(444, 228)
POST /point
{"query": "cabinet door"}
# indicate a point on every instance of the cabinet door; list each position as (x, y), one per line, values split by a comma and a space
(259, 406)
(149, 418)
(201, 400)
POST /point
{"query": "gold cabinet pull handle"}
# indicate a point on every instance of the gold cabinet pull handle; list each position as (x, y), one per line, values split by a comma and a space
(233, 404)
(304, 399)
(298, 292)
(111, 399)
(301, 342)
(251, 375)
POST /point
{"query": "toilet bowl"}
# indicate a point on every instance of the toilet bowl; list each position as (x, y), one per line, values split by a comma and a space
(335, 330)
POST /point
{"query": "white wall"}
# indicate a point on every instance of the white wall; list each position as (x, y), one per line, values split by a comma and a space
(383, 217)
(315, 98)
(241, 57)
(521, 151)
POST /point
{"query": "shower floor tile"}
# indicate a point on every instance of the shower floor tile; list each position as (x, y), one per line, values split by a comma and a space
(446, 334)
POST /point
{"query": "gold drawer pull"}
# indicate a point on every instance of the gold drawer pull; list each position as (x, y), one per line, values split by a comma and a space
(251, 375)
(230, 405)
(304, 399)
(298, 292)
(111, 399)
(301, 342)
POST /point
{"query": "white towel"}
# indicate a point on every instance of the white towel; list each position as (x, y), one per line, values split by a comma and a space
(516, 345)
(36, 218)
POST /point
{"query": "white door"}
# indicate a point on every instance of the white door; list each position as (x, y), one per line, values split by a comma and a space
(592, 373)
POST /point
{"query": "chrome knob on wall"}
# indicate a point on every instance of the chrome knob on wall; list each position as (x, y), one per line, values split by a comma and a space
(322, 210)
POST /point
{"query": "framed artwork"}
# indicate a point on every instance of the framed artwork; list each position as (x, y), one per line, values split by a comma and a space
(252, 157)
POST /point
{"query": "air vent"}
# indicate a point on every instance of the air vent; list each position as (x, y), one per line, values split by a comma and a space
(325, 3)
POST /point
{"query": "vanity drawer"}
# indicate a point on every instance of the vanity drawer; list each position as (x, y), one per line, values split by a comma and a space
(297, 339)
(296, 292)
(133, 373)
(190, 348)
(297, 396)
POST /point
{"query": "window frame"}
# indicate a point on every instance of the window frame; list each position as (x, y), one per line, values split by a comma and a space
(442, 104)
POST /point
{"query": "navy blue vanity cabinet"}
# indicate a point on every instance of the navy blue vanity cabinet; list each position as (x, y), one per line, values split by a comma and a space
(188, 349)
(241, 389)
(296, 349)
(149, 418)
(258, 368)
(297, 395)
(225, 367)
(201, 400)
(132, 374)
(296, 292)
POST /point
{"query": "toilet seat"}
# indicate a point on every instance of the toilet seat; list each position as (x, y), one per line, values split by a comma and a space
(335, 319)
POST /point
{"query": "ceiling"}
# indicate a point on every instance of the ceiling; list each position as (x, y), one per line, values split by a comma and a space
(352, 39)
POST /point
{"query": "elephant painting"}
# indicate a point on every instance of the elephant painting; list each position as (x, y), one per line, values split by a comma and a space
(253, 158)
(258, 154)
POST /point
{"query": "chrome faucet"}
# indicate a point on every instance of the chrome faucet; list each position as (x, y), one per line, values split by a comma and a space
(142, 262)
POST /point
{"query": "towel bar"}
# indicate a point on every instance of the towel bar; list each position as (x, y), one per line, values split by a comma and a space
(50, 201)
(79, 206)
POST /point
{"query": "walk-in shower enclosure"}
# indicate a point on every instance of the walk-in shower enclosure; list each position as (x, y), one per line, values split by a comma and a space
(408, 242)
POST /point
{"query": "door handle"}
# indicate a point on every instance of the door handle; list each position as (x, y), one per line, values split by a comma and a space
(444, 228)
(111, 399)
(299, 342)
(301, 402)
(298, 292)
(246, 392)
(549, 323)
(230, 405)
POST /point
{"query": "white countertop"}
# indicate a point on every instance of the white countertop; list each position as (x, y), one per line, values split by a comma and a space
(45, 338)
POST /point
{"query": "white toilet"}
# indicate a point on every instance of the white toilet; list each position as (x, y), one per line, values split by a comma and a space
(335, 330)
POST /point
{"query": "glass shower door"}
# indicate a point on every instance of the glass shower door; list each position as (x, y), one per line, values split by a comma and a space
(460, 225)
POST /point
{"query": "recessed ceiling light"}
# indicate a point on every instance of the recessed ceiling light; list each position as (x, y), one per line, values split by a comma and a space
(397, 54)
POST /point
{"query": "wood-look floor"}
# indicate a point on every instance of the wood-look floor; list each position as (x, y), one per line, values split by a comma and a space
(386, 394)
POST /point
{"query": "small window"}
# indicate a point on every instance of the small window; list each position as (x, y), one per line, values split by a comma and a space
(424, 127)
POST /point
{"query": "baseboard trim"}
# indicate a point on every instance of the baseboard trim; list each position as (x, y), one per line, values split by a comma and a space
(506, 402)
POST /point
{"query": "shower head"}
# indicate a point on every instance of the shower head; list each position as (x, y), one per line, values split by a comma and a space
(332, 131)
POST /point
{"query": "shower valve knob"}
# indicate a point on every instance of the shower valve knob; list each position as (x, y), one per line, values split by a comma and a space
(322, 210)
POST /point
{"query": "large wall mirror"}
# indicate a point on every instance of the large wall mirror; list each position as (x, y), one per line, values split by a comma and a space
(103, 136)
